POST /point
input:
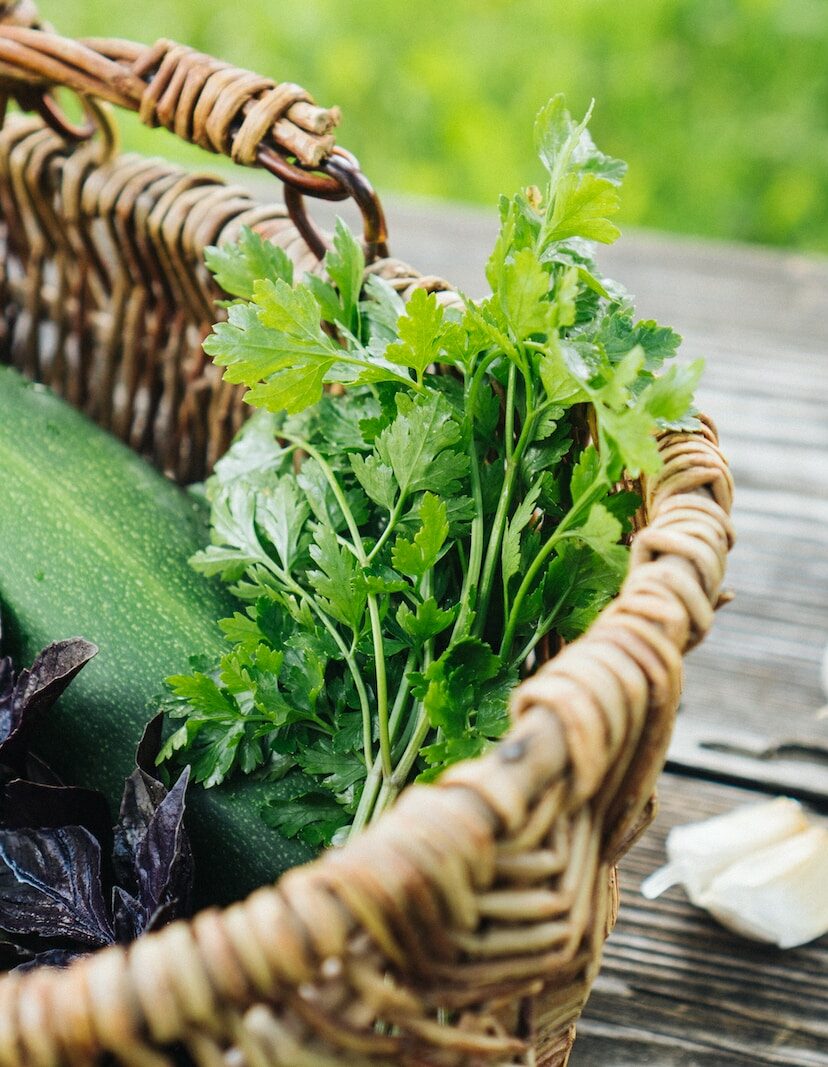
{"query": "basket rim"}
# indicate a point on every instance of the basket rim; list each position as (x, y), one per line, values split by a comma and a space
(447, 892)
(347, 908)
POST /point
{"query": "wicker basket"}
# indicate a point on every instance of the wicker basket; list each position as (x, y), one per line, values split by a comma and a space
(467, 925)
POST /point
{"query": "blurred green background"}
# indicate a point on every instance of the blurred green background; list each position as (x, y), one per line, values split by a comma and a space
(719, 106)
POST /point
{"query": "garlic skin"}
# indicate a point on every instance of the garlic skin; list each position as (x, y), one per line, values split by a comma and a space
(779, 894)
(761, 870)
(698, 851)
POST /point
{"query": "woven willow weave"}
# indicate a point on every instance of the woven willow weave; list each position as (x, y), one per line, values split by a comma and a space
(466, 926)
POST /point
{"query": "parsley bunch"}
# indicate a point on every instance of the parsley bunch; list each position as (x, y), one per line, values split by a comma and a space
(402, 547)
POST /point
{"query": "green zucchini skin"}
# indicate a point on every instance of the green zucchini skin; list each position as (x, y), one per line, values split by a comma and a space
(94, 542)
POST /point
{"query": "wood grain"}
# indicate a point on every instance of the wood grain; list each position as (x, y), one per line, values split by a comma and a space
(678, 990)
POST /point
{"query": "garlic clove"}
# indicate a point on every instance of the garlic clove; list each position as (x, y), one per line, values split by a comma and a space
(699, 851)
(777, 894)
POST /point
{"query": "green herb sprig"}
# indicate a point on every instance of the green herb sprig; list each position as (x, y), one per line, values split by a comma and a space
(401, 550)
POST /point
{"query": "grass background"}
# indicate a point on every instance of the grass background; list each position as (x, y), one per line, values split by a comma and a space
(719, 106)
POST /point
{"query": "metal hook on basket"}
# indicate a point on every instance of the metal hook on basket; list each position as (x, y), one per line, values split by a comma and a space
(98, 118)
(346, 169)
(337, 178)
(54, 116)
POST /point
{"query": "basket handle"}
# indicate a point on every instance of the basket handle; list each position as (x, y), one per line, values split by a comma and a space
(253, 120)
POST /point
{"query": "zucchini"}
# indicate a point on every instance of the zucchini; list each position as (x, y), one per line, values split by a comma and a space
(94, 542)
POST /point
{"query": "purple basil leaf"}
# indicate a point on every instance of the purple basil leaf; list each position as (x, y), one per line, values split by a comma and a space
(39, 687)
(152, 856)
(166, 913)
(130, 918)
(50, 884)
(35, 770)
(164, 860)
(143, 793)
(35, 691)
(52, 957)
(149, 746)
(25, 804)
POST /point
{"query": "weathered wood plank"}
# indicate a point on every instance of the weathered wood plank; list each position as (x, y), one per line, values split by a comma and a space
(677, 990)
(737, 753)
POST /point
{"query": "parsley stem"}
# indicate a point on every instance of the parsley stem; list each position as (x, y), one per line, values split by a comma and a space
(343, 542)
(401, 741)
(365, 709)
(382, 687)
(496, 537)
(373, 609)
(393, 515)
(347, 655)
(401, 697)
(422, 724)
(509, 419)
(375, 778)
(393, 785)
(472, 573)
(498, 526)
(461, 555)
(545, 623)
(366, 802)
(586, 498)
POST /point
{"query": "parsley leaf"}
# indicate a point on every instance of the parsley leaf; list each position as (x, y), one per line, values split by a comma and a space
(281, 511)
(449, 686)
(417, 446)
(525, 285)
(619, 335)
(238, 267)
(670, 397)
(557, 136)
(277, 347)
(345, 264)
(517, 524)
(420, 331)
(427, 621)
(298, 807)
(418, 556)
(402, 549)
(582, 209)
(339, 582)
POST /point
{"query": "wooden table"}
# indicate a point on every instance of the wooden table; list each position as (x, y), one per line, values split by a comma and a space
(676, 989)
